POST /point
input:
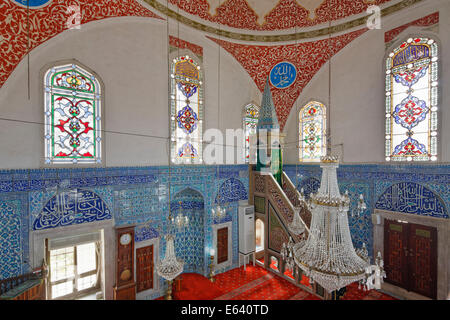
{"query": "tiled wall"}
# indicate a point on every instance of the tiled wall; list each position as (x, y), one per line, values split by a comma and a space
(140, 196)
(414, 189)
(50, 198)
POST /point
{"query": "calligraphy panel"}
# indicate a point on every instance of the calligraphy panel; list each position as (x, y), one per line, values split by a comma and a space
(410, 197)
(283, 75)
(72, 207)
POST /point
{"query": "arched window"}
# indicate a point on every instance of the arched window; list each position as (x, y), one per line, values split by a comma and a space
(73, 105)
(259, 235)
(186, 95)
(251, 116)
(312, 132)
(412, 101)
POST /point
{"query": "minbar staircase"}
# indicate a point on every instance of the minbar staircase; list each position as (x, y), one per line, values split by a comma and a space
(276, 205)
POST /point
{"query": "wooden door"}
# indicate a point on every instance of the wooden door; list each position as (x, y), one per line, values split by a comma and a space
(222, 245)
(410, 256)
(396, 253)
(423, 260)
(144, 268)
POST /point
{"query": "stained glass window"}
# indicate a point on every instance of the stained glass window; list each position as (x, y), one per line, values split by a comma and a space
(312, 132)
(186, 96)
(412, 101)
(72, 115)
(251, 116)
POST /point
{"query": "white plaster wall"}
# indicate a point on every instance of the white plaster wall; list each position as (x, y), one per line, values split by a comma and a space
(357, 95)
(130, 56)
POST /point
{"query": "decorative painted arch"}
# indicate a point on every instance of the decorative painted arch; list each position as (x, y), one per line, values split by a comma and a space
(231, 190)
(48, 19)
(72, 207)
(410, 197)
(189, 198)
(309, 186)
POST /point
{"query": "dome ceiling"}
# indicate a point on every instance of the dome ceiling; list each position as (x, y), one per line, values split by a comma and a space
(270, 15)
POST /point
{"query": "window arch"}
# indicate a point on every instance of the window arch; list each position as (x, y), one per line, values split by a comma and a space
(186, 96)
(312, 132)
(73, 108)
(412, 101)
(251, 116)
(259, 235)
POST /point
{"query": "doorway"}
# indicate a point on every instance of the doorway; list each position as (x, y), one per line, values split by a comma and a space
(410, 255)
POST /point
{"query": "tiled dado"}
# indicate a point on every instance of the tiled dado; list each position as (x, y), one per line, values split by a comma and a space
(413, 189)
(51, 198)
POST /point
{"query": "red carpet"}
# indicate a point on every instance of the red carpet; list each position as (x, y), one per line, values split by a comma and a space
(196, 287)
(256, 283)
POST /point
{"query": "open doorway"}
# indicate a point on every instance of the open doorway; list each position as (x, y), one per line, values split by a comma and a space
(259, 241)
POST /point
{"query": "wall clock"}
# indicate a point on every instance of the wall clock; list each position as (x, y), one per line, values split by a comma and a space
(125, 288)
(125, 239)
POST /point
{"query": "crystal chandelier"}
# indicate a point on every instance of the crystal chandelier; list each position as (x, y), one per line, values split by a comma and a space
(296, 226)
(327, 256)
(170, 267)
(219, 211)
(181, 221)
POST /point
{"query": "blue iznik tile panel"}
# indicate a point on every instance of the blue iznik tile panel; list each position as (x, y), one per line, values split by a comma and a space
(145, 232)
(190, 240)
(51, 198)
(14, 233)
(413, 188)
(309, 185)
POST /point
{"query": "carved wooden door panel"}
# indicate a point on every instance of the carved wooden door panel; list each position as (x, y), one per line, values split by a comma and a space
(222, 245)
(423, 260)
(144, 268)
(396, 253)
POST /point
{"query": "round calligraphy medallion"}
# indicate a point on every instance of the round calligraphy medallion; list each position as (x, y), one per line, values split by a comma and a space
(33, 4)
(283, 75)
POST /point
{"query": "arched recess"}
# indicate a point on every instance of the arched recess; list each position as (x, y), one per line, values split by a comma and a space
(190, 241)
(259, 235)
(71, 207)
(413, 198)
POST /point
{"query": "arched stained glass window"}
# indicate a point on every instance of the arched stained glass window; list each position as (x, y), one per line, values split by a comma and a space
(312, 132)
(186, 97)
(251, 116)
(73, 105)
(412, 101)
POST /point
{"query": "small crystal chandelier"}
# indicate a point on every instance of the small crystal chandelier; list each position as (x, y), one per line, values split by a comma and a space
(296, 226)
(361, 207)
(170, 267)
(180, 221)
(219, 211)
(286, 254)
